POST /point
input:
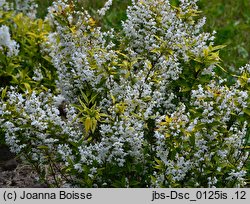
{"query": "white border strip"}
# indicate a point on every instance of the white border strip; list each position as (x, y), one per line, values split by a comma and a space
(124, 196)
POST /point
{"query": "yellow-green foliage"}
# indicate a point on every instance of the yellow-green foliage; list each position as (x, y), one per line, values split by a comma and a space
(29, 34)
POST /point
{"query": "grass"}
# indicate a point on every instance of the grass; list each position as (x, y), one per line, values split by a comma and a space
(230, 18)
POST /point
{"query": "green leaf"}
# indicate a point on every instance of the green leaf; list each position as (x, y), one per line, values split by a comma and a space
(156, 51)
(82, 104)
(247, 111)
(159, 165)
(74, 144)
(77, 116)
(125, 56)
(185, 89)
(197, 67)
(27, 86)
(84, 97)
(88, 124)
(192, 139)
(4, 92)
(93, 98)
(94, 124)
(43, 147)
(113, 98)
(218, 47)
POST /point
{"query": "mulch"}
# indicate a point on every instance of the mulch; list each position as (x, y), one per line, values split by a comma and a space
(15, 173)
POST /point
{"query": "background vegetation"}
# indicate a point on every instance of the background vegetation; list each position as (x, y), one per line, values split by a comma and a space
(229, 18)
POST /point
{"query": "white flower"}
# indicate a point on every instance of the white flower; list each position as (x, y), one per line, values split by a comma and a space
(5, 40)
(2, 2)
(78, 167)
(38, 75)
(106, 7)
(58, 100)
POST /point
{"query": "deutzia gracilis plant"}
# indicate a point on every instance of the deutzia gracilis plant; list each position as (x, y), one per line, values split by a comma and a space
(22, 62)
(28, 7)
(139, 107)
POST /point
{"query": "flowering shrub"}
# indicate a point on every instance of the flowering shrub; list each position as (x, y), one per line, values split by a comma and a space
(20, 6)
(142, 107)
(22, 62)
(202, 147)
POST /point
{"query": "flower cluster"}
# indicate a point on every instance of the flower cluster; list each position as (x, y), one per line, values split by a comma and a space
(34, 128)
(207, 140)
(27, 7)
(8, 46)
(21, 61)
(79, 50)
(139, 107)
(106, 7)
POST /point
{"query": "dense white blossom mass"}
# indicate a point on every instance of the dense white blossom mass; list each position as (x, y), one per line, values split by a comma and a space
(8, 46)
(147, 99)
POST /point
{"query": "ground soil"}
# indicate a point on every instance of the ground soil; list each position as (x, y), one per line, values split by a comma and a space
(15, 173)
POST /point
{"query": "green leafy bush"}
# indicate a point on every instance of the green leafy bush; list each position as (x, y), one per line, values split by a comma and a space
(22, 61)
